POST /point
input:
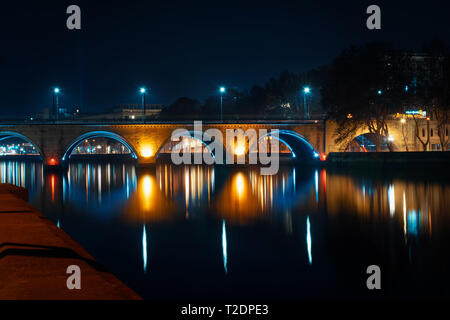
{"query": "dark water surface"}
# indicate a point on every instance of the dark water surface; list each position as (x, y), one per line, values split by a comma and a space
(208, 232)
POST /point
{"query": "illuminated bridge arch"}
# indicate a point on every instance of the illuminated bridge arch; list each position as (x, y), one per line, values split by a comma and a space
(10, 134)
(299, 146)
(98, 134)
(366, 142)
(193, 135)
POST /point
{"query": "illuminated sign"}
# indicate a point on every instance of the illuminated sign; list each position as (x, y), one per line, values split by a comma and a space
(416, 112)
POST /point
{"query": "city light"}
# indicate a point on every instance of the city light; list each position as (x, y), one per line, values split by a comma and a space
(240, 150)
(56, 90)
(403, 120)
(379, 92)
(306, 90)
(142, 90)
(222, 90)
(147, 152)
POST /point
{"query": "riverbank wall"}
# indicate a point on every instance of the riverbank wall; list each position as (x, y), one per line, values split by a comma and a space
(35, 258)
(426, 160)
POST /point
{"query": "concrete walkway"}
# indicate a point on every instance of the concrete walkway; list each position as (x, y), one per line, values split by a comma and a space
(35, 254)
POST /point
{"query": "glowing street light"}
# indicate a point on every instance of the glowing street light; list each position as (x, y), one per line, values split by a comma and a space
(222, 91)
(379, 92)
(143, 91)
(306, 91)
(56, 91)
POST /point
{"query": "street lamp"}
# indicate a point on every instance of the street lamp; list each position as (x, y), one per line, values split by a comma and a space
(56, 91)
(306, 91)
(222, 91)
(142, 90)
(379, 92)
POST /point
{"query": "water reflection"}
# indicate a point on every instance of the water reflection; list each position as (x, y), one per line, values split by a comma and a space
(144, 249)
(22, 174)
(199, 217)
(189, 187)
(172, 192)
(308, 239)
(224, 247)
(248, 196)
(410, 203)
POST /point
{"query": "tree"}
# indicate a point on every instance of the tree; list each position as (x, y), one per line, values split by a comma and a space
(182, 108)
(357, 94)
(433, 90)
(440, 100)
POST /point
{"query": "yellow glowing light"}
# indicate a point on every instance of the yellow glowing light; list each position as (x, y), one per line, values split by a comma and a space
(147, 186)
(147, 152)
(240, 185)
(403, 120)
(239, 151)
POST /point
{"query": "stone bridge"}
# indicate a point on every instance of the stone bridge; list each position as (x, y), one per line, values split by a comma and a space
(55, 142)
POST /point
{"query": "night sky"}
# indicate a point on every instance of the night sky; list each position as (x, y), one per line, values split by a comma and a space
(184, 48)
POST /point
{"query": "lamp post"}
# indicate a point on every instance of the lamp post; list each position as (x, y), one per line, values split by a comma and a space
(306, 91)
(55, 103)
(222, 91)
(143, 91)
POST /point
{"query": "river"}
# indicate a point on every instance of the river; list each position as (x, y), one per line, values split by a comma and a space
(188, 232)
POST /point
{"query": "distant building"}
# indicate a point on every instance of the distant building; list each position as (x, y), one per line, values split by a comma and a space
(126, 112)
(64, 113)
(120, 112)
(419, 71)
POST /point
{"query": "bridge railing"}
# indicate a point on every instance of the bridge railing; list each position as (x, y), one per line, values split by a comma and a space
(140, 122)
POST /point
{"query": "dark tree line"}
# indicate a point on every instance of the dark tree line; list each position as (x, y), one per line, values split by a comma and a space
(280, 97)
(363, 87)
(366, 85)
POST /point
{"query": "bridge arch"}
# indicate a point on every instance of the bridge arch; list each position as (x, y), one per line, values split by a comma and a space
(98, 134)
(366, 142)
(299, 146)
(192, 135)
(11, 134)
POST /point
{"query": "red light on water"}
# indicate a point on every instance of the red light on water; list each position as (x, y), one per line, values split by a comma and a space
(52, 161)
